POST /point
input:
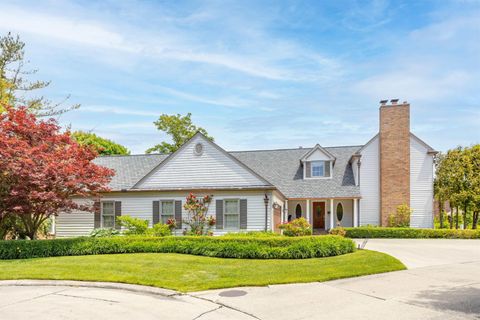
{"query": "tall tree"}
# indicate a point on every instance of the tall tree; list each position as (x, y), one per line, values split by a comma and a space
(179, 128)
(101, 145)
(15, 87)
(42, 169)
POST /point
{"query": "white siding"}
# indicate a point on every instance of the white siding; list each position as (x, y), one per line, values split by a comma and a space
(370, 184)
(355, 170)
(318, 155)
(140, 205)
(74, 224)
(421, 185)
(211, 169)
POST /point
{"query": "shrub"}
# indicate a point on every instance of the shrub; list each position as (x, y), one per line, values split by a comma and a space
(161, 230)
(401, 218)
(379, 232)
(134, 226)
(296, 228)
(253, 234)
(104, 232)
(339, 231)
(223, 247)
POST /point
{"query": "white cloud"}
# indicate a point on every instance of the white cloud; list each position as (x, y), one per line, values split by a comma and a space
(117, 110)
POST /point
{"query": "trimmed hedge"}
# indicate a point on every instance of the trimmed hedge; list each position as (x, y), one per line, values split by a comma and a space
(378, 232)
(223, 247)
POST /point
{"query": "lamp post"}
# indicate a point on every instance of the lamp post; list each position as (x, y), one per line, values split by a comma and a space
(266, 200)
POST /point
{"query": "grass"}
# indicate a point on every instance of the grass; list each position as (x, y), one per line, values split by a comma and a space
(194, 273)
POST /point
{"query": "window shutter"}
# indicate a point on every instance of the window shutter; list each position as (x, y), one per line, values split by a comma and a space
(96, 219)
(178, 213)
(308, 169)
(219, 214)
(156, 213)
(243, 213)
(118, 213)
(327, 168)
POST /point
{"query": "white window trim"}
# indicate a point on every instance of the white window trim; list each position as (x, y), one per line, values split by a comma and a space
(101, 213)
(229, 214)
(161, 211)
(311, 168)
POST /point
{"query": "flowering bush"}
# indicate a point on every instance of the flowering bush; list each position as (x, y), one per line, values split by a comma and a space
(401, 218)
(296, 228)
(198, 222)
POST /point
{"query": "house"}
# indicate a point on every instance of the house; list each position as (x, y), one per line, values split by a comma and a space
(257, 190)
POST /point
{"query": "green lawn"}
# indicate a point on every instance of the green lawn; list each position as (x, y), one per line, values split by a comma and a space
(193, 273)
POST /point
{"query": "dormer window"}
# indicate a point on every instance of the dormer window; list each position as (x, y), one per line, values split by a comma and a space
(320, 169)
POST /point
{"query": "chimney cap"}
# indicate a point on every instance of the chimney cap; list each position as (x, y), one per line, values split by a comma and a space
(383, 102)
(394, 101)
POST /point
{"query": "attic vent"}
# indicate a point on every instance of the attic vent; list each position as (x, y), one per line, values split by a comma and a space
(198, 149)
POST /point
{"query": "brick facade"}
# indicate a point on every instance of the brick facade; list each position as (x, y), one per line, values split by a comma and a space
(394, 158)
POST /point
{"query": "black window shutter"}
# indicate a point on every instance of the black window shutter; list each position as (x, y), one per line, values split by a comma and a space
(118, 213)
(156, 213)
(97, 219)
(178, 213)
(219, 214)
(243, 213)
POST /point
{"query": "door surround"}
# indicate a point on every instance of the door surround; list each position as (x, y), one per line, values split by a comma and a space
(316, 224)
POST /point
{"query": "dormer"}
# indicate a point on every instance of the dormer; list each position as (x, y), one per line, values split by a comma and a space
(317, 163)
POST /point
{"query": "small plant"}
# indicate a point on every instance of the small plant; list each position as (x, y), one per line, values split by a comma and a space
(198, 222)
(134, 226)
(296, 228)
(401, 218)
(104, 233)
(172, 224)
(338, 231)
(162, 230)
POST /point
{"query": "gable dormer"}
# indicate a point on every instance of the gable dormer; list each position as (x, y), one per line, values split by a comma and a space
(317, 163)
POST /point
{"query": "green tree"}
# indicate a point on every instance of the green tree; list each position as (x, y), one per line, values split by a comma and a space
(179, 128)
(101, 145)
(15, 87)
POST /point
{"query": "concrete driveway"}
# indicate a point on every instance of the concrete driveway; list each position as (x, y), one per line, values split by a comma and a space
(442, 283)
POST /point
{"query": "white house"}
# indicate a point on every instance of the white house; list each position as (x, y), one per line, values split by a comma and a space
(257, 190)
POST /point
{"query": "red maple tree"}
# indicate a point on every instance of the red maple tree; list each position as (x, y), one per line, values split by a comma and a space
(41, 169)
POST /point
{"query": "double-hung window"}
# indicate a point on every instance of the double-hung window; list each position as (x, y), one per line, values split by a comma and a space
(166, 211)
(320, 169)
(231, 213)
(108, 214)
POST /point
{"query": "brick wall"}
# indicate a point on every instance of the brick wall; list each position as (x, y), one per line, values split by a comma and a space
(394, 158)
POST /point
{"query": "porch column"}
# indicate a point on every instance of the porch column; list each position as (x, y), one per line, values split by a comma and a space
(331, 215)
(355, 212)
(285, 212)
(307, 212)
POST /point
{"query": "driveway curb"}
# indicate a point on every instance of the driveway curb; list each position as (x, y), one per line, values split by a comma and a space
(90, 284)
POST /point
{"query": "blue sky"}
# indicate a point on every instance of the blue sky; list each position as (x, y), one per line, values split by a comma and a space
(257, 74)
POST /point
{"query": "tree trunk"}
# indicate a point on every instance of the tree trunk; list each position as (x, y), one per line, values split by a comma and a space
(456, 217)
(475, 220)
(465, 207)
(441, 207)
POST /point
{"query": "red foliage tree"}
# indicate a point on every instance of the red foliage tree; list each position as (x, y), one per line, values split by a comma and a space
(41, 169)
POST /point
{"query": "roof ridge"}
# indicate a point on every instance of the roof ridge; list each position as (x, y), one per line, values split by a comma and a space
(288, 149)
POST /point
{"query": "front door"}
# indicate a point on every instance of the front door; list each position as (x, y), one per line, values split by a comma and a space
(319, 215)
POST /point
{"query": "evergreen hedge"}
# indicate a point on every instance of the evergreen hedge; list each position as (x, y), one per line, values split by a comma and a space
(224, 247)
(412, 233)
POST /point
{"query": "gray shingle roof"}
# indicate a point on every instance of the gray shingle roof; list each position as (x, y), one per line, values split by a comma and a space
(280, 167)
(129, 169)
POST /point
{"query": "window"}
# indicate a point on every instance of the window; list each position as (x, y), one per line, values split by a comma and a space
(320, 168)
(232, 214)
(339, 212)
(108, 214)
(166, 211)
(298, 211)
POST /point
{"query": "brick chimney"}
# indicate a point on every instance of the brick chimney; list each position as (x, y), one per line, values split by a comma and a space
(394, 157)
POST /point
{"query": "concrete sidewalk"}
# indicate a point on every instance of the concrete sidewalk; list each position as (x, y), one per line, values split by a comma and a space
(443, 283)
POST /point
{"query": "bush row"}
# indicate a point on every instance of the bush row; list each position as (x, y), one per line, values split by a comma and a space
(223, 247)
(378, 232)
